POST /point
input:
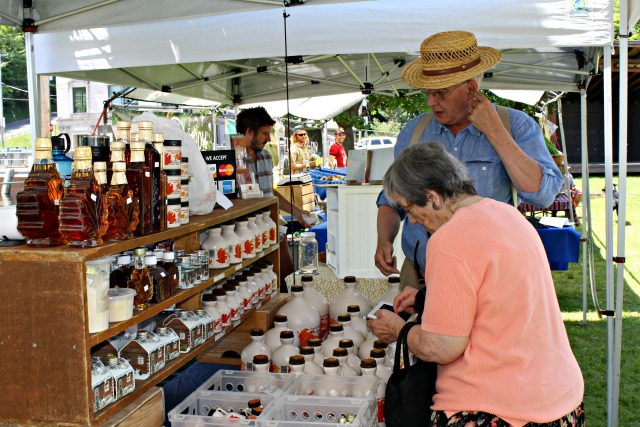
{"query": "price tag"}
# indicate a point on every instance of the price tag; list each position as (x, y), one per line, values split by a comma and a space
(236, 323)
(218, 277)
(157, 164)
(162, 273)
(93, 197)
(146, 288)
(261, 254)
(220, 335)
(147, 174)
(239, 267)
(56, 202)
(258, 305)
(129, 200)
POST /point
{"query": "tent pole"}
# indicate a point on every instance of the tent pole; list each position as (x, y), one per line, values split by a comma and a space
(34, 90)
(565, 169)
(622, 202)
(585, 234)
(608, 168)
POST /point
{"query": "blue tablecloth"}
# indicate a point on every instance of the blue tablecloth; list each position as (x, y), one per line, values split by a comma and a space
(319, 173)
(562, 246)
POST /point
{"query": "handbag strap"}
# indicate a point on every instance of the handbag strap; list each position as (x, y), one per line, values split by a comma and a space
(402, 346)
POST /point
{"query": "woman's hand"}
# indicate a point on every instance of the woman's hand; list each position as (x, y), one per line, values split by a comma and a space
(405, 300)
(386, 326)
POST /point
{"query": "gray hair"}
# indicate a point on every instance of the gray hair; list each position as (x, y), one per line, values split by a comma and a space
(423, 167)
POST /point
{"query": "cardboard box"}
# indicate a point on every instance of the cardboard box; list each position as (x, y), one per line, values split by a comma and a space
(303, 196)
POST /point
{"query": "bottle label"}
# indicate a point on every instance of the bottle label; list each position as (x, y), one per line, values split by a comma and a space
(272, 235)
(308, 333)
(225, 318)
(248, 247)
(380, 410)
(238, 251)
(234, 313)
(324, 325)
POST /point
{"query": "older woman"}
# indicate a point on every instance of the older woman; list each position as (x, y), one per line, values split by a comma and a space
(491, 319)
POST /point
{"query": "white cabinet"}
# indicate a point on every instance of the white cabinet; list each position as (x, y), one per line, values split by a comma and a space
(351, 231)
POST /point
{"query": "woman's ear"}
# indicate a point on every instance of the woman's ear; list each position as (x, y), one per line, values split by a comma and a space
(473, 85)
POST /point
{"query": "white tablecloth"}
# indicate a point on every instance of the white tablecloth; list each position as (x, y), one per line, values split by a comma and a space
(329, 285)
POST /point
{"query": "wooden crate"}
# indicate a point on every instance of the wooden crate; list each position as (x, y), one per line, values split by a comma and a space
(303, 196)
(145, 411)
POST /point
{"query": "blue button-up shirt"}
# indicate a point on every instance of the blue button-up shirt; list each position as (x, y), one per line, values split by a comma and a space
(475, 151)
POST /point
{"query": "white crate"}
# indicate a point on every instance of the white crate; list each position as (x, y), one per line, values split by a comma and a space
(300, 411)
(247, 381)
(334, 386)
(194, 410)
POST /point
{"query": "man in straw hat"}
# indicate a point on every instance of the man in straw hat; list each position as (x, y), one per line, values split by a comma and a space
(499, 147)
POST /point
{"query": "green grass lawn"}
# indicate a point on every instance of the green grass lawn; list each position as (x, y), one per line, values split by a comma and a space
(589, 342)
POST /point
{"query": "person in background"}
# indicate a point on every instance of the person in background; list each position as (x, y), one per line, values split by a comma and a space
(449, 70)
(300, 152)
(255, 124)
(491, 319)
(337, 152)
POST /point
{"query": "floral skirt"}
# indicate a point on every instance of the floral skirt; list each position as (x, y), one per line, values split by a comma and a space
(480, 419)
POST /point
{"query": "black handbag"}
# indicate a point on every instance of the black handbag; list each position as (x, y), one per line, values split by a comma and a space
(410, 390)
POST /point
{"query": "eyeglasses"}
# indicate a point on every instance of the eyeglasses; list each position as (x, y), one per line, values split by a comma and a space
(301, 134)
(441, 94)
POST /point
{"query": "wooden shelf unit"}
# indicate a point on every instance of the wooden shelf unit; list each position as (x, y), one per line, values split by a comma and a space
(45, 346)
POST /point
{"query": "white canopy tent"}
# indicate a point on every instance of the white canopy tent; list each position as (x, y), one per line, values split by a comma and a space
(232, 51)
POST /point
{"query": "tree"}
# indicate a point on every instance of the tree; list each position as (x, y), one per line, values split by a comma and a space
(14, 73)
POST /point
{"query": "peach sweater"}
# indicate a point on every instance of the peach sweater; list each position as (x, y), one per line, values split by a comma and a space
(488, 279)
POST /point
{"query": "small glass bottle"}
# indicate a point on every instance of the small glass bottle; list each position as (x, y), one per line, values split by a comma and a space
(83, 208)
(119, 278)
(160, 279)
(308, 253)
(123, 135)
(141, 280)
(169, 264)
(152, 160)
(123, 208)
(38, 205)
(139, 179)
(100, 172)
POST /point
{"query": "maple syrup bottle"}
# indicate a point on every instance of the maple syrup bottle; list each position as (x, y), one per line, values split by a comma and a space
(152, 159)
(100, 172)
(139, 178)
(117, 153)
(83, 208)
(123, 135)
(158, 143)
(38, 205)
(123, 208)
(141, 280)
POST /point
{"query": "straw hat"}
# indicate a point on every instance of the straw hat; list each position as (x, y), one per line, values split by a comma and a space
(449, 58)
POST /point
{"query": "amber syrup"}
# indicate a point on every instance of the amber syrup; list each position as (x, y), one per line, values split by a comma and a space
(38, 205)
